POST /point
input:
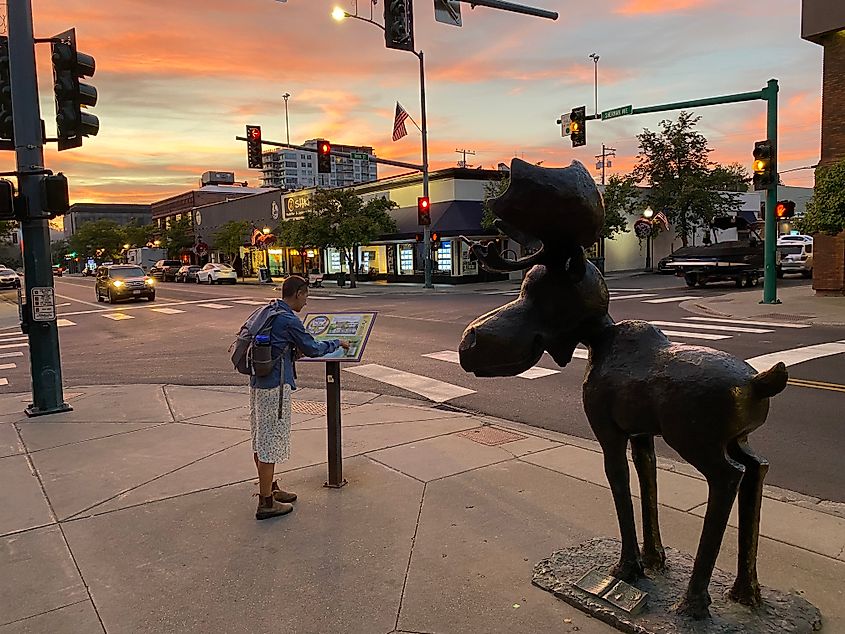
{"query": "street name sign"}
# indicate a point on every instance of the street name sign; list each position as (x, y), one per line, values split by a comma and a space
(616, 112)
(359, 155)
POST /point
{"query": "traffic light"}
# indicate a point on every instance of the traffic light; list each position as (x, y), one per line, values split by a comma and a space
(71, 94)
(7, 200)
(578, 126)
(784, 209)
(324, 157)
(254, 157)
(55, 198)
(399, 24)
(6, 126)
(435, 242)
(423, 211)
(764, 176)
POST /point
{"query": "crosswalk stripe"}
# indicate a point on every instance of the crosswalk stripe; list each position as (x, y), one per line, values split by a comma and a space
(635, 296)
(65, 322)
(118, 316)
(710, 326)
(432, 389)
(664, 300)
(167, 311)
(4, 381)
(20, 337)
(250, 302)
(750, 323)
(13, 333)
(797, 355)
(8, 366)
(695, 335)
(451, 356)
(14, 345)
(7, 355)
(214, 306)
(623, 290)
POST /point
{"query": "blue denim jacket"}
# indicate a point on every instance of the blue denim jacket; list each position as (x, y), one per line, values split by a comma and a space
(288, 336)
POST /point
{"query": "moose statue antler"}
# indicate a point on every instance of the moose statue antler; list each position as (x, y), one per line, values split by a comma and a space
(638, 384)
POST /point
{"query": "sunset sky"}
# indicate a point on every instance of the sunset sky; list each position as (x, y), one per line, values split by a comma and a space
(178, 81)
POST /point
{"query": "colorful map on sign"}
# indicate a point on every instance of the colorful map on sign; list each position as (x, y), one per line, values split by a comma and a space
(352, 327)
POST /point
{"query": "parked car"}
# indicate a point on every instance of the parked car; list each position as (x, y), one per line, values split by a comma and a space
(795, 255)
(123, 281)
(165, 269)
(187, 273)
(213, 273)
(9, 279)
(58, 270)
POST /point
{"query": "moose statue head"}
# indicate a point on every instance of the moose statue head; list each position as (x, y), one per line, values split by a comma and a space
(638, 384)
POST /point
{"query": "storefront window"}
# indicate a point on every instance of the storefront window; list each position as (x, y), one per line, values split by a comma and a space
(443, 258)
(333, 264)
(406, 259)
(277, 262)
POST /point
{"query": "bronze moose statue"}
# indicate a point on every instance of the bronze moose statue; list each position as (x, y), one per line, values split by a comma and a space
(638, 384)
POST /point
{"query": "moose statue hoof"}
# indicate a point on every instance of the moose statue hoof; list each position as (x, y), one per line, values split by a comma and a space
(628, 571)
(694, 606)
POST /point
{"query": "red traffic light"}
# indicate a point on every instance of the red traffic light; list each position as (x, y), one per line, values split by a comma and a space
(423, 211)
(254, 132)
(780, 210)
(325, 147)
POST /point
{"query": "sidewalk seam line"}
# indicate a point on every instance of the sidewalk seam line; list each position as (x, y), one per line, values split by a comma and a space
(59, 526)
(167, 401)
(32, 616)
(120, 433)
(410, 557)
(392, 468)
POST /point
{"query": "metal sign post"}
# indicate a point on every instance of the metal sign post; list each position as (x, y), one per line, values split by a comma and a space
(335, 448)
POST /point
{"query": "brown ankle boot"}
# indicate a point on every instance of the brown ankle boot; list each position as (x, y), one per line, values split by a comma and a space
(282, 496)
(268, 507)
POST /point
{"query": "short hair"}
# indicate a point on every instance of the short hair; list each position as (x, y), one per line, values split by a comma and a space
(292, 285)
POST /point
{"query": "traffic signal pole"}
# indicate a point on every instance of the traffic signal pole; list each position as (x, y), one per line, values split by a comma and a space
(424, 132)
(40, 313)
(769, 94)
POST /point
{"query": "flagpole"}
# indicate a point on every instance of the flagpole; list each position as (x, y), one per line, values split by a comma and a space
(424, 132)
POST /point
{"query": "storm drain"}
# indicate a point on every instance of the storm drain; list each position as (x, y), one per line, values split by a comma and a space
(491, 436)
(314, 407)
(783, 317)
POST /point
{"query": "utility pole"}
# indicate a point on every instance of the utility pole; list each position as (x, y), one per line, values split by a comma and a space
(595, 58)
(463, 161)
(40, 311)
(606, 152)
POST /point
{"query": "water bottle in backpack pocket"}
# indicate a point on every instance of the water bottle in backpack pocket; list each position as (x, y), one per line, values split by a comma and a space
(262, 355)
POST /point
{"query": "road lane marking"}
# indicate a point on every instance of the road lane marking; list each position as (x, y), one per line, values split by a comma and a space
(819, 385)
(147, 306)
(7, 355)
(8, 366)
(635, 296)
(664, 300)
(252, 302)
(709, 326)
(118, 316)
(214, 306)
(432, 389)
(17, 337)
(695, 335)
(325, 296)
(750, 323)
(81, 301)
(167, 311)
(795, 356)
(4, 382)
(451, 356)
(65, 322)
(14, 345)
(624, 290)
(62, 304)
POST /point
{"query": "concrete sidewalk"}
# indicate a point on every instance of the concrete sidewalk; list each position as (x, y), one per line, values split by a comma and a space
(134, 513)
(799, 304)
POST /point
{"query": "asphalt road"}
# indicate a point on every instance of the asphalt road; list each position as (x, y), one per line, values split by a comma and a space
(184, 335)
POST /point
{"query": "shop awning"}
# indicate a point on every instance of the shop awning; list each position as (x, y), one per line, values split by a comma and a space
(450, 218)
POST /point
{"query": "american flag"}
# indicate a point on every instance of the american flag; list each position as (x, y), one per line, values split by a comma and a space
(399, 123)
(662, 219)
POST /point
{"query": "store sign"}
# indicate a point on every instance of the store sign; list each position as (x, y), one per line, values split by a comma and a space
(296, 206)
(274, 210)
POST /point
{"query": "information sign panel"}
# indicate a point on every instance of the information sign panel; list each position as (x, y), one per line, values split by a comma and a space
(43, 304)
(353, 327)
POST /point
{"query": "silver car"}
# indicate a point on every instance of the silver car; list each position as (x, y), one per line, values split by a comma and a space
(9, 279)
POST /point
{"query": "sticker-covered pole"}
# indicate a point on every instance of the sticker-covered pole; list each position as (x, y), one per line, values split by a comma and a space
(335, 456)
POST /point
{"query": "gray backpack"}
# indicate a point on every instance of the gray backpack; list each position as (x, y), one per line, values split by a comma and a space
(259, 322)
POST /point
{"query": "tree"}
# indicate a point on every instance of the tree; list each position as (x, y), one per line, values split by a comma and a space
(674, 163)
(231, 237)
(348, 222)
(492, 189)
(826, 209)
(138, 235)
(7, 228)
(178, 236)
(58, 250)
(733, 177)
(101, 239)
(307, 232)
(621, 199)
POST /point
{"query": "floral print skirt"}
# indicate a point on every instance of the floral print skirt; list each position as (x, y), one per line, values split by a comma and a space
(269, 417)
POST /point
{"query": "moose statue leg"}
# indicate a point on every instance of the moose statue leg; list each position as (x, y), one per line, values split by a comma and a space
(642, 449)
(614, 444)
(746, 588)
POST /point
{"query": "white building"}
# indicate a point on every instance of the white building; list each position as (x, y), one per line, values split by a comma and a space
(291, 169)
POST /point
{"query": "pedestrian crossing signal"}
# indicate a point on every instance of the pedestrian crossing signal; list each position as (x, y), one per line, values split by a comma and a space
(785, 209)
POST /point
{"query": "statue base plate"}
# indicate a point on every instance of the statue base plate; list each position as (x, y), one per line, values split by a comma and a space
(780, 612)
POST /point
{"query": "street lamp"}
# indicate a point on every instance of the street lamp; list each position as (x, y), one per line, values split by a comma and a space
(648, 213)
(339, 14)
(595, 58)
(286, 96)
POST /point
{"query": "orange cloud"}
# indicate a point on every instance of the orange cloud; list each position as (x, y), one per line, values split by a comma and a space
(636, 7)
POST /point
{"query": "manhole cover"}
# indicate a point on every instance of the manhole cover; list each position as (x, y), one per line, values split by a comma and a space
(313, 407)
(491, 436)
